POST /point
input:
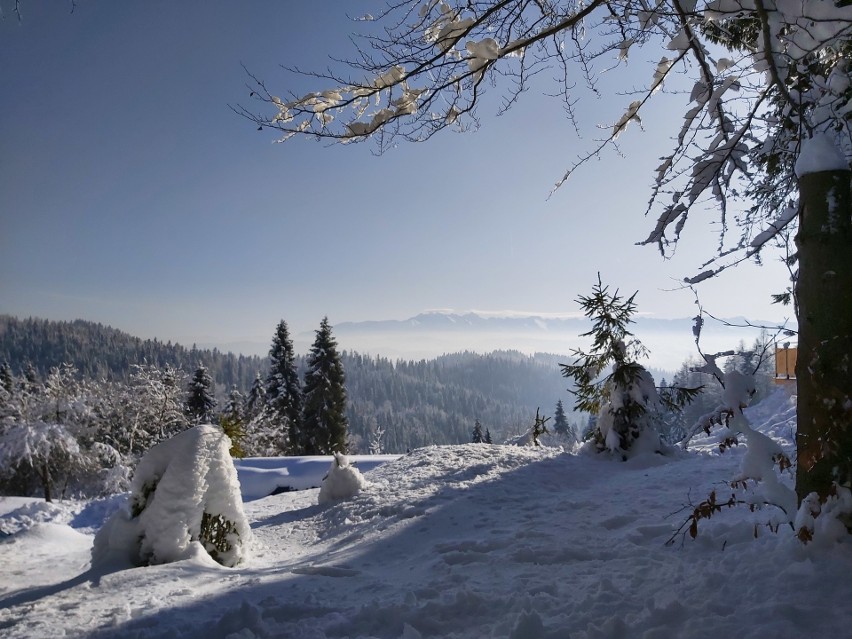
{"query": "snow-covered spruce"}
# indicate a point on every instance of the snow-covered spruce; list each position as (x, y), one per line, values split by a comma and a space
(343, 481)
(627, 419)
(185, 496)
(625, 401)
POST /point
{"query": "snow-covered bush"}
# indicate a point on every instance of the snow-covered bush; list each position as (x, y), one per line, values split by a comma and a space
(343, 480)
(820, 520)
(114, 469)
(825, 521)
(44, 449)
(762, 455)
(45, 432)
(155, 412)
(185, 494)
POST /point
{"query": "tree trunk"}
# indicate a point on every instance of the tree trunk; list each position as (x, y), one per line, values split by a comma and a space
(824, 366)
(45, 481)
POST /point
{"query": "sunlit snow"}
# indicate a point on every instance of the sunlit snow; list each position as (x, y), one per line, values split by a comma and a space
(456, 542)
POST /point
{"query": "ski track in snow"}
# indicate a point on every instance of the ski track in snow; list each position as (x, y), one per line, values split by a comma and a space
(464, 541)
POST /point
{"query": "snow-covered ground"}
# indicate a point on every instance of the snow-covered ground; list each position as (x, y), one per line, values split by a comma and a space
(463, 541)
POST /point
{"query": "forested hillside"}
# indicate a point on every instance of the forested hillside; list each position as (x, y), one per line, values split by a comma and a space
(410, 402)
(414, 403)
(102, 352)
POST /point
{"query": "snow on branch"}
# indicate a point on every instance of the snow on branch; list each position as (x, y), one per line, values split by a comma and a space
(766, 75)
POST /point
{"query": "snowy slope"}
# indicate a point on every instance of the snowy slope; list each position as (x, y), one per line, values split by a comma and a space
(465, 541)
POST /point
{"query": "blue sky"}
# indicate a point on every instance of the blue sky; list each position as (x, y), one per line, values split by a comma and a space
(130, 194)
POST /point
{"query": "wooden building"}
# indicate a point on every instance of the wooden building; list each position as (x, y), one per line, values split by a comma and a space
(785, 362)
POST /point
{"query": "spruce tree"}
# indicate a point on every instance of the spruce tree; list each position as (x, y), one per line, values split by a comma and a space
(200, 401)
(625, 402)
(624, 399)
(256, 400)
(283, 391)
(560, 422)
(488, 437)
(233, 423)
(7, 380)
(235, 405)
(325, 423)
(477, 437)
(31, 379)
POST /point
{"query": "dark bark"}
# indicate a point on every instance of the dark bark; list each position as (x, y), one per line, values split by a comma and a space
(824, 366)
(45, 482)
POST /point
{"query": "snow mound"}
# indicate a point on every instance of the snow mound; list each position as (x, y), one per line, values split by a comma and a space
(343, 481)
(185, 490)
(49, 533)
(775, 417)
(524, 439)
(31, 512)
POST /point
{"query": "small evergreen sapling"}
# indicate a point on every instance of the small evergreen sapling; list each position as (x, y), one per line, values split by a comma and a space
(625, 401)
(233, 422)
(234, 428)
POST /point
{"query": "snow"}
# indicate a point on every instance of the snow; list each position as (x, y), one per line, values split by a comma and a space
(262, 476)
(819, 153)
(177, 484)
(788, 215)
(343, 481)
(457, 542)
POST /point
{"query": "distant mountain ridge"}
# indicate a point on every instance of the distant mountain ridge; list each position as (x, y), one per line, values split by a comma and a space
(471, 320)
(430, 334)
